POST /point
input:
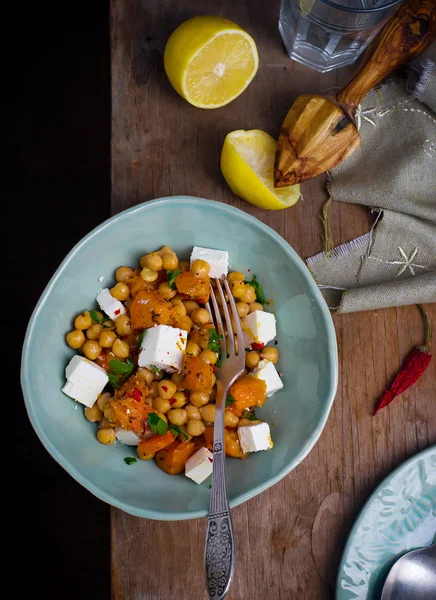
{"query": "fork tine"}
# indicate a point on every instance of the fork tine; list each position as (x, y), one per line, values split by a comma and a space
(227, 319)
(237, 320)
(218, 320)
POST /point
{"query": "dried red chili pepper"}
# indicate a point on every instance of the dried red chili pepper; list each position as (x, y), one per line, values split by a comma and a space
(413, 367)
(136, 394)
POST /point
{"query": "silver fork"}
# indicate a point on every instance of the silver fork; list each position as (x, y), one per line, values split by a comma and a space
(219, 552)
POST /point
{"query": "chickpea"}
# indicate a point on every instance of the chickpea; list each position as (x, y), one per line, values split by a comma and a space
(209, 356)
(238, 289)
(123, 325)
(235, 276)
(153, 262)
(83, 321)
(243, 309)
(185, 323)
(200, 316)
(250, 294)
(103, 400)
(93, 333)
(161, 404)
(251, 359)
(176, 300)
(75, 339)
(184, 265)
(108, 324)
(152, 390)
(106, 435)
(148, 275)
(179, 309)
(166, 388)
(120, 291)
(177, 416)
(208, 413)
(170, 261)
(270, 353)
(192, 412)
(180, 400)
(200, 268)
(93, 413)
(104, 423)
(144, 455)
(255, 306)
(158, 375)
(122, 274)
(120, 349)
(110, 414)
(230, 419)
(247, 423)
(190, 305)
(199, 398)
(166, 291)
(192, 349)
(203, 342)
(177, 379)
(214, 376)
(164, 250)
(91, 349)
(195, 427)
(145, 374)
(107, 338)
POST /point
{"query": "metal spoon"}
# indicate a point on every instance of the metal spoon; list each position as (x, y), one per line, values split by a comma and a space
(413, 576)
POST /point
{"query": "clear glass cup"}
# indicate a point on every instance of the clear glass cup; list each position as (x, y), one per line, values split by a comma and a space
(325, 35)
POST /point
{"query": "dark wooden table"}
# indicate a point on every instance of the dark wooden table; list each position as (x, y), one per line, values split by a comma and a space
(290, 537)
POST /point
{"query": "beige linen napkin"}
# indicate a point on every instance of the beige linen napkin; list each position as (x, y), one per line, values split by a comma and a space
(393, 173)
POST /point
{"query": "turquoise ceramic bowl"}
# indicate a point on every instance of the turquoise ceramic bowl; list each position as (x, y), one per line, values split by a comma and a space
(306, 339)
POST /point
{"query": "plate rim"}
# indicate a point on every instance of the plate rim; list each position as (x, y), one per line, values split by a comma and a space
(240, 499)
(360, 515)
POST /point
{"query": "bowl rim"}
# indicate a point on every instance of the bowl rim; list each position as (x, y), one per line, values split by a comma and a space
(331, 338)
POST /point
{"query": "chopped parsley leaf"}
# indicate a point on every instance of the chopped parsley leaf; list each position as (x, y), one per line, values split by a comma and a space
(176, 430)
(129, 460)
(250, 415)
(120, 371)
(260, 296)
(140, 338)
(95, 317)
(215, 340)
(157, 425)
(218, 362)
(171, 277)
(154, 369)
(229, 400)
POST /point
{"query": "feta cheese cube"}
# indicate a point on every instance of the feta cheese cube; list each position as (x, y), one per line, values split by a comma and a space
(110, 305)
(162, 347)
(130, 438)
(258, 327)
(255, 437)
(266, 370)
(217, 259)
(199, 466)
(85, 380)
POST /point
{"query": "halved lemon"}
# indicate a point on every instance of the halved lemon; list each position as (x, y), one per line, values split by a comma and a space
(210, 61)
(247, 163)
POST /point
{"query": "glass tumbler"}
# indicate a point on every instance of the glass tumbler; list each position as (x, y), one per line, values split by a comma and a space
(325, 35)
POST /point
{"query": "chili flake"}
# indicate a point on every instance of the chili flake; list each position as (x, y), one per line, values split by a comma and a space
(117, 312)
(257, 346)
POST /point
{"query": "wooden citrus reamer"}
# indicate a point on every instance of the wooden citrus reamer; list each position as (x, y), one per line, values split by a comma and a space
(319, 131)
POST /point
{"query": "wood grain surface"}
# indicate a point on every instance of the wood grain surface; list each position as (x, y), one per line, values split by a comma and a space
(289, 538)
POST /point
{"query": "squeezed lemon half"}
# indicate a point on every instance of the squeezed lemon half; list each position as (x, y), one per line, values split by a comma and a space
(210, 61)
(247, 163)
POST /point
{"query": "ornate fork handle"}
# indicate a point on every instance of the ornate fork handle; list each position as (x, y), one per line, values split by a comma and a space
(220, 544)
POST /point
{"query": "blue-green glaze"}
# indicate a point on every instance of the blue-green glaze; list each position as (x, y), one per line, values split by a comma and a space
(399, 516)
(306, 339)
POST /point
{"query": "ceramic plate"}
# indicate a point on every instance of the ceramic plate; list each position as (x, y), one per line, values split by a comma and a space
(305, 334)
(399, 516)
